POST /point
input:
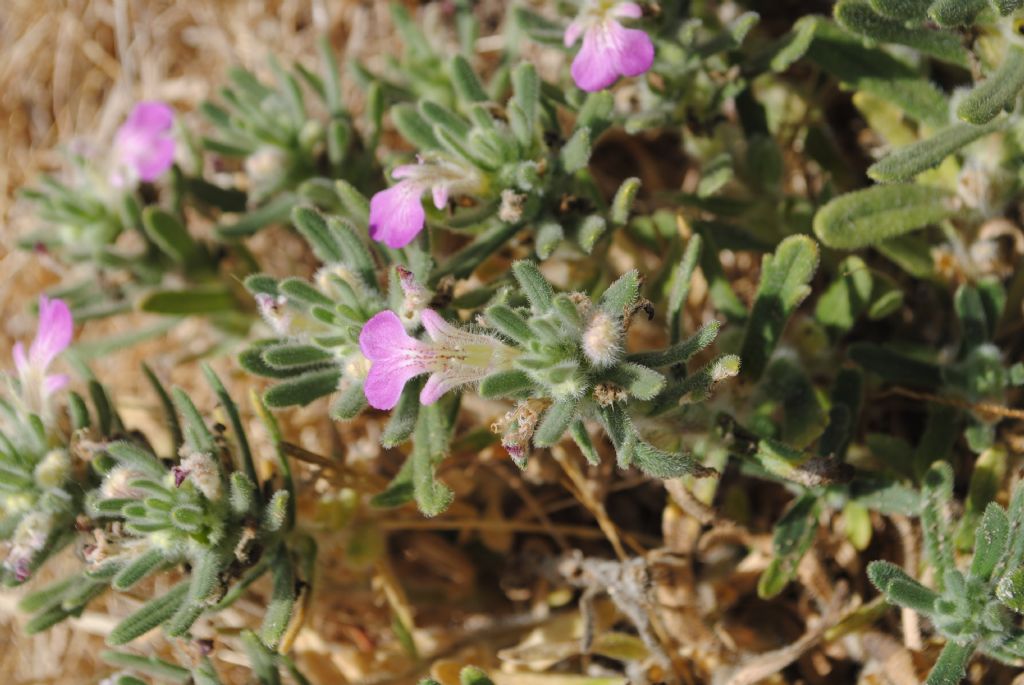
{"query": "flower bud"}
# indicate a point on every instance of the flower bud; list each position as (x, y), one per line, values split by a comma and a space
(200, 468)
(264, 165)
(274, 313)
(602, 340)
(52, 471)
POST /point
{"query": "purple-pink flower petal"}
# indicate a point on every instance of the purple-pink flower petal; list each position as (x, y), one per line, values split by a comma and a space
(572, 32)
(436, 386)
(397, 215)
(609, 51)
(385, 382)
(627, 10)
(54, 382)
(144, 146)
(20, 360)
(395, 358)
(54, 332)
(383, 337)
(436, 327)
(440, 196)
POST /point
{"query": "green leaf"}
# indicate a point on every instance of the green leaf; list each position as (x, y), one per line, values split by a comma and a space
(858, 17)
(242, 494)
(872, 215)
(900, 588)
(679, 285)
(620, 296)
(661, 464)
(622, 203)
(197, 435)
(465, 81)
(555, 422)
(289, 355)
(138, 568)
(509, 323)
(905, 10)
(1010, 590)
(403, 417)
(432, 496)
(909, 161)
(526, 99)
(313, 227)
(986, 479)
(152, 614)
(590, 231)
(534, 286)
(990, 542)
(549, 235)
(173, 239)
(682, 351)
(413, 127)
(895, 367)
(846, 297)
(579, 434)
(282, 600)
(878, 73)
(784, 285)
(471, 675)
(641, 382)
(794, 533)
(136, 458)
(716, 173)
(951, 666)
(575, 154)
(301, 390)
(996, 93)
(937, 493)
(301, 291)
(262, 659)
(276, 211)
(213, 299)
(505, 384)
(956, 12)
(148, 665)
(350, 401)
(445, 119)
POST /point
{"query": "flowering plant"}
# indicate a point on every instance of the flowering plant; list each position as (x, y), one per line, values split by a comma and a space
(744, 281)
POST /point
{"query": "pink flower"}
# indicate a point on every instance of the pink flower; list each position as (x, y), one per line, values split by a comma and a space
(452, 357)
(397, 215)
(143, 146)
(609, 50)
(52, 337)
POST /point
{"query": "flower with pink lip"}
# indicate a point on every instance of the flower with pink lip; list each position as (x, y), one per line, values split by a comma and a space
(143, 146)
(452, 357)
(52, 337)
(397, 215)
(610, 50)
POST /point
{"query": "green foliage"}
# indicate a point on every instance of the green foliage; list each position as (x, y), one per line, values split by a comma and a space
(784, 285)
(970, 606)
(867, 217)
(602, 261)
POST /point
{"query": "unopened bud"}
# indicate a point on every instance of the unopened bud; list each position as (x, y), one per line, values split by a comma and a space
(417, 298)
(117, 484)
(200, 468)
(52, 471)
(274, 312)
(265, 164)
(602, 340)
